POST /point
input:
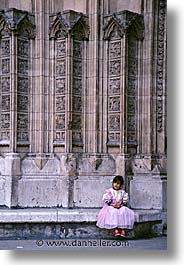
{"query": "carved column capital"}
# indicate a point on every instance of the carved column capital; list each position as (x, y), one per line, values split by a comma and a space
(124, 22)
(65, 23)
(14, 20)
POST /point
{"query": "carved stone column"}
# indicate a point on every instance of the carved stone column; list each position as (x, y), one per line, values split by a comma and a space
(68, 39)
(68, 34)
(16, 31)
(5, 92)
(161, 86)
(93, 107)
(122, 33)
(41, 95)
(149, 185)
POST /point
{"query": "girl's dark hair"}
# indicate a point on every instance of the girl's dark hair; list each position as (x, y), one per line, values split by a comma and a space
(118, 178)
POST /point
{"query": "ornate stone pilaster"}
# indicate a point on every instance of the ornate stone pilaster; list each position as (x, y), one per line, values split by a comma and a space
(68, 33)
(122, 31)
(5, 82)
(17, 30)
(148, 189)
(93, 80)
(146, 119)
(41, 96)
(161, 79)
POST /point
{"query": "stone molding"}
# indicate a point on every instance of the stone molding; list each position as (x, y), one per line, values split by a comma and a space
(160, 65)
(148, 165)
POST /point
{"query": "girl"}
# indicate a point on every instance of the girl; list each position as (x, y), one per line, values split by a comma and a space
(115, 214)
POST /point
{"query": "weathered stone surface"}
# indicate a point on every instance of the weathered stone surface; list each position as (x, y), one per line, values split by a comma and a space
(96, 165)
(132, 5)
(2, 190)
(2, 182)
(43, 192)
(148, 193)
(50, 165)
(12, 164)
(88, 190)
(85, 101)
(67, 231)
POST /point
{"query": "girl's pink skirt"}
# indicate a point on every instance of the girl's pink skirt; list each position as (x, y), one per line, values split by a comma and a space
(110, 217)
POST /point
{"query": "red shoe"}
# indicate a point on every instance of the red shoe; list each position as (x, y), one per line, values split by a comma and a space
(116, 232)
(122, 233)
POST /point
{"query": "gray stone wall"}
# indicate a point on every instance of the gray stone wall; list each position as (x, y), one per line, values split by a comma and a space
(83, 97)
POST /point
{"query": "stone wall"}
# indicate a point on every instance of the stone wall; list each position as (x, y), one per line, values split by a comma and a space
(83, 97)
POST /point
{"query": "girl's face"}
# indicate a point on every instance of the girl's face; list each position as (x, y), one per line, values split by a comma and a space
(116, 185)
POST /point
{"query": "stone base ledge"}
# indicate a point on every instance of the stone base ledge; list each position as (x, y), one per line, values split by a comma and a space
(45, 215)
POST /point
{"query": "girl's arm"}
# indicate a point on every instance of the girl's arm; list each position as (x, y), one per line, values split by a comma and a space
(107, 197)
(123, 202)
(125, 198)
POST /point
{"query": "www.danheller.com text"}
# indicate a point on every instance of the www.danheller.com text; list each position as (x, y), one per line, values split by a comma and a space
(82, 243)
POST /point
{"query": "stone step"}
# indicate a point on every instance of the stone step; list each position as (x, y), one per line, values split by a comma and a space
(71, 223)
(68, 215)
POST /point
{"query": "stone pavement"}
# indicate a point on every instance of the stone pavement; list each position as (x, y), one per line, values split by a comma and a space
(156, 243)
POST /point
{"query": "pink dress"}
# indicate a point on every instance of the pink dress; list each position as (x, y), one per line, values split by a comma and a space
(110, 217)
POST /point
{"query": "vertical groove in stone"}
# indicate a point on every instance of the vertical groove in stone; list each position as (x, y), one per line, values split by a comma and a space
(93, 76)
